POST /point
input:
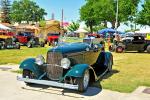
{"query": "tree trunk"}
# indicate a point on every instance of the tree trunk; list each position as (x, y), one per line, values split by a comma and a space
(91, 27)
(105, 23)
(113, 24)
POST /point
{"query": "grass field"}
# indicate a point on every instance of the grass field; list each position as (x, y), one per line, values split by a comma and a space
(130, 70)
(14, 56)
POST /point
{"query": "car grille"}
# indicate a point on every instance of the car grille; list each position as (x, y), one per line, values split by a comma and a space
(54, 71)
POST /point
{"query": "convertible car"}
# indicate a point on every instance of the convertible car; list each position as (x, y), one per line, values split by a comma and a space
(69, 65)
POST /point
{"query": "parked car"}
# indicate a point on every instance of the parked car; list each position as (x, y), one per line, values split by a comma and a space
(70, 65)
(28, 39)
(136, 42)
(52, 38)
(7, 41)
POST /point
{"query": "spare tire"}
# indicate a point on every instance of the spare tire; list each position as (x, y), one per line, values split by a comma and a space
(148, 49)
(119, 49)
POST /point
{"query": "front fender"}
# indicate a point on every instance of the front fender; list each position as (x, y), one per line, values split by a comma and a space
(77, 70)
(29, 64)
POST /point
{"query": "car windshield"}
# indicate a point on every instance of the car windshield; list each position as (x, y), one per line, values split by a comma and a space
(28, 34)
(53, 34)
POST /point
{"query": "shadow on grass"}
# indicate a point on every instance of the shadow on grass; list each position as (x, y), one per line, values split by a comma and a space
(109, 74)
(129, 52)
(106, 76)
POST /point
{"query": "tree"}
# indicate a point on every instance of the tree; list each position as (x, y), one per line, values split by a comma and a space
(144, 15)
(26, 10)
(42, 23)
(5, 11)
(104, 11)
(87, 14)
(73, 26)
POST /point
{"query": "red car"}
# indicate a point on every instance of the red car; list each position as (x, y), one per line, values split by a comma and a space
(28, 38)
(24, 37)
(94, 35)
(52, 38)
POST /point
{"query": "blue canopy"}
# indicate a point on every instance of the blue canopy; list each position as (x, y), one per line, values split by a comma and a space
(106, 30)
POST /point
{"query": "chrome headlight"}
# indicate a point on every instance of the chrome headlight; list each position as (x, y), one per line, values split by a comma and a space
(95, 46)
(39, 60)
(65, 63)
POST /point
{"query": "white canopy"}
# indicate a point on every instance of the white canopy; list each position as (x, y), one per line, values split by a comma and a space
(81, 30)
(147, 30)
(4, 27)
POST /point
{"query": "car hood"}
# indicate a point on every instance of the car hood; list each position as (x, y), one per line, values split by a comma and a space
(70, 48)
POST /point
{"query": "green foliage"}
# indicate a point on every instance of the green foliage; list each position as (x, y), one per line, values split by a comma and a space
(73, 26)
(98, 27)
(144, 15)
(95, 12)
(87, 14)
(5, 11)
(26, 10)
(42, 23)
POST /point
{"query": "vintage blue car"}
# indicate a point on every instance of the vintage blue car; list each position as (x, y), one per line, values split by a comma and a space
(69, 65)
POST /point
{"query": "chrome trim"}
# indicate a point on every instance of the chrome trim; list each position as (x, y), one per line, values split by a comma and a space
(49, 83)
(54, 65)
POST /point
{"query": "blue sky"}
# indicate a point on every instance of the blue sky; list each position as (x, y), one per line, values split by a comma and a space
(70, 7)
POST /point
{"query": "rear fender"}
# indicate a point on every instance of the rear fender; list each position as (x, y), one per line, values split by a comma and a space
(29, 64)
(108, 58)
(104, 58)
(77, 70)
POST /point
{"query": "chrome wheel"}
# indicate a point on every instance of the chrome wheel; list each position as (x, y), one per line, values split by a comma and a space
(86, 79)
(110, 66)
(83, 82)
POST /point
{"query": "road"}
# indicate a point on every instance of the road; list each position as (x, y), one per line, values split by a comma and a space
(11, 89)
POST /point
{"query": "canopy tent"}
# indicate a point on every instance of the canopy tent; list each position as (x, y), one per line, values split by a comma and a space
(106, 30)
(81, 30)
(3, 27)
(143, 31)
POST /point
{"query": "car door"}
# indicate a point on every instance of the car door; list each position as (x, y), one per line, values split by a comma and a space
(138, 43)
(22, 38)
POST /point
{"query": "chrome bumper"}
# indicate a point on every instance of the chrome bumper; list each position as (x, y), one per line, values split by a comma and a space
(49, 83)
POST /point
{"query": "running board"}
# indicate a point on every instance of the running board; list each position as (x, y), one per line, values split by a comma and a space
(49, 83)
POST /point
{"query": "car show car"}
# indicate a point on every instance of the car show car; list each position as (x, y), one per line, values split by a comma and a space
(28, 39)
(7, 41)
(137, 42)
(69, 65)
(52, 39)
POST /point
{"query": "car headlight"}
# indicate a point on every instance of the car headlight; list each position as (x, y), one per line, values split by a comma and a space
(95, 46)
(39, 60)
(65, 63)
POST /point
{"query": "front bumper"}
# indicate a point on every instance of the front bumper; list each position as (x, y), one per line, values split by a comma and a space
(48, 82)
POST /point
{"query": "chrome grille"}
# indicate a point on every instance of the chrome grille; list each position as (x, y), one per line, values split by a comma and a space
(54, 71)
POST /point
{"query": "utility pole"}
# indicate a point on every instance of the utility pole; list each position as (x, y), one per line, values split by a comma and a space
(116, 24)
(62, 20)
(53, 16)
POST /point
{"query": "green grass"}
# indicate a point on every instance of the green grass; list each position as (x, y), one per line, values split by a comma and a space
(15, 56)
(17, 71)
(130, 70)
